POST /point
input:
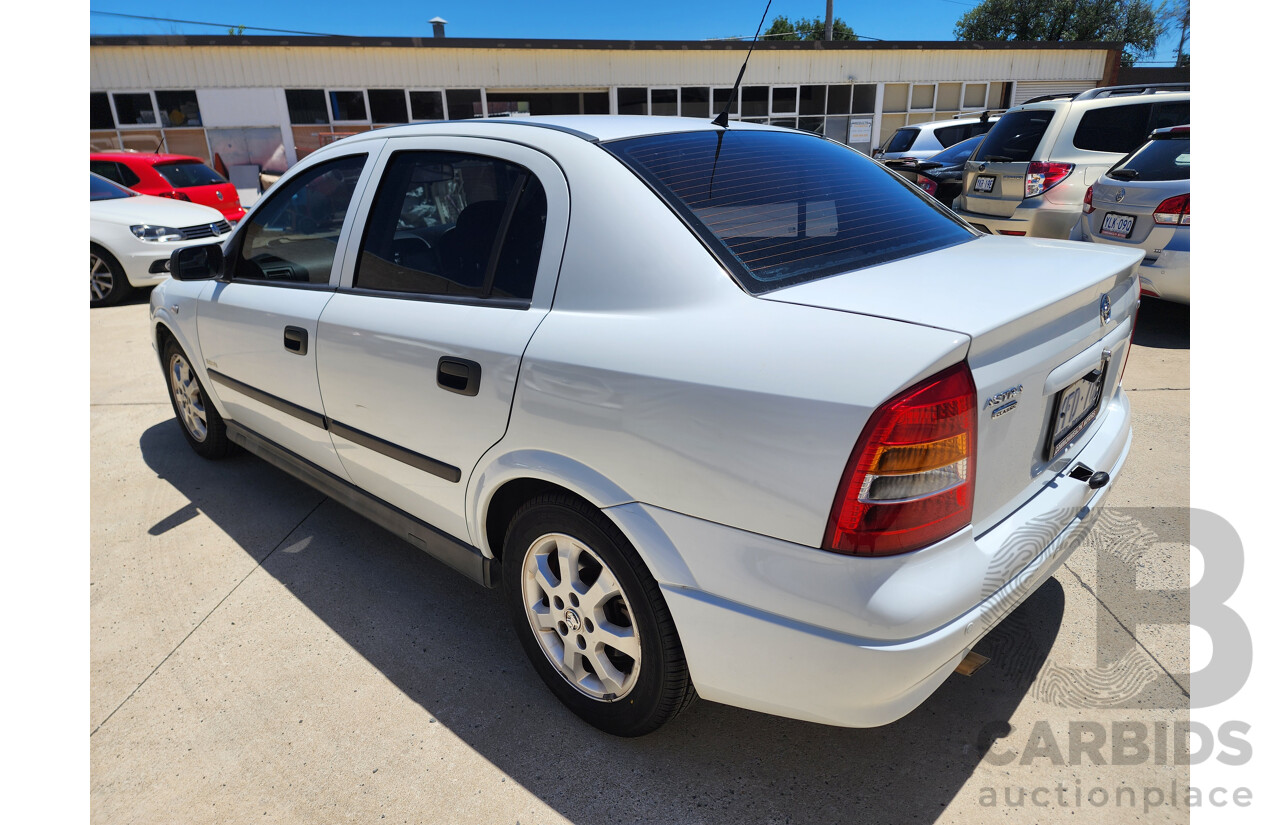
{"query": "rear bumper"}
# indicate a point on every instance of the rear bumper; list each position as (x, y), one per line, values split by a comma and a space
(1167, 275)
(1043, 221)
(859, 642)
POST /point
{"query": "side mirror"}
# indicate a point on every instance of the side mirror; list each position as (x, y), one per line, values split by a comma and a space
(197, 263)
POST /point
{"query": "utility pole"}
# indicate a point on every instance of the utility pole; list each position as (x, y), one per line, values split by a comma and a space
(829, 2)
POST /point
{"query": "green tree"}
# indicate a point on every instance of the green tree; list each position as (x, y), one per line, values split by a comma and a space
(807, 28)
(1135, 23)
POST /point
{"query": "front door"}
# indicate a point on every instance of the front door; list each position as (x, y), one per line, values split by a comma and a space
(258, 328)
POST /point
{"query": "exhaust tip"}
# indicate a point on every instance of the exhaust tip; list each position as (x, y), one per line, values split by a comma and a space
(971, 662)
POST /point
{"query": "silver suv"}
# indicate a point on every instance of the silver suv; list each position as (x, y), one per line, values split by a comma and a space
(1030, 174)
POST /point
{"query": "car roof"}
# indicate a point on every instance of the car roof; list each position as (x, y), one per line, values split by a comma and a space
(142, 157)
(596, 128)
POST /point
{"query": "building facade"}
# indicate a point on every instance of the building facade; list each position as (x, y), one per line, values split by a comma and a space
(268, 101)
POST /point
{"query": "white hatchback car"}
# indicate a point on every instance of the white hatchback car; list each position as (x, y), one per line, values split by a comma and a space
(728, 409)
(132, 236)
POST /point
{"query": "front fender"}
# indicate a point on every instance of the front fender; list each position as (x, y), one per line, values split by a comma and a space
(174, 307)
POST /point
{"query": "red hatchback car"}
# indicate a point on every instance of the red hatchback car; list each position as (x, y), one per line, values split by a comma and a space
(182, 177)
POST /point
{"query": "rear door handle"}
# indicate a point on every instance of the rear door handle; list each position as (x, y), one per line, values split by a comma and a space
(458, 375)
(295, 340)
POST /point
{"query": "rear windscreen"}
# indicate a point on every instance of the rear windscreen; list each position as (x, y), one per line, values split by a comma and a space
(781, 208)
(902, 140)
(1167, 159)
(1015, 136)
(188, 173)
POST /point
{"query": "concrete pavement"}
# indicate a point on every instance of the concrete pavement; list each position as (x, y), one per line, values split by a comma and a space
(259, 653)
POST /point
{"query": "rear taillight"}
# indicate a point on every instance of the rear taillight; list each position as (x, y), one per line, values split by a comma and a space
(1175, 210)
(929, 185)
(909, 481)
(1043, 176)
(1088, 201)
(175, 195)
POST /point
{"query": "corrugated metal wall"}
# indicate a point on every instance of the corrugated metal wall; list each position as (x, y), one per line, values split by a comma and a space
(1028, 90)
(122, 68)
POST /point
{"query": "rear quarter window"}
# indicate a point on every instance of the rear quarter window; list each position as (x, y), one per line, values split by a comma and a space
(1015, 136)
(782, 208)
(951, 135)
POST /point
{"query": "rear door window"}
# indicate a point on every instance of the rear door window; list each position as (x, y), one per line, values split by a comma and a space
(951, 135)
(445, 223)
(188, 173)
(1015, 136)
(781, 208)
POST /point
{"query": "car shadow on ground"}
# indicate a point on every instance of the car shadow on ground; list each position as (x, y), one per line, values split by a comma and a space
(1163, 325)
(446, 644)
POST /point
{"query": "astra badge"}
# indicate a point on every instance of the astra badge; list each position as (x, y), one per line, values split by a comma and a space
(1104, 310)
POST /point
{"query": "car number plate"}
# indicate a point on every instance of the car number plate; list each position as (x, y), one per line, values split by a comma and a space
(1075, 407)
(1116, 225)
(984, 183)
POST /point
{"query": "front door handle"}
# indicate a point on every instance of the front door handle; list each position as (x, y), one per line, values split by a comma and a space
(295, 340)
(458, 375)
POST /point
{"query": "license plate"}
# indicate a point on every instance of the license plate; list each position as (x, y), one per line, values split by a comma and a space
(984, 183)
(1075, 407)
(1116, 225)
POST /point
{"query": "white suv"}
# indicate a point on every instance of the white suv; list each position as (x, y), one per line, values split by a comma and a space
(1030, 174)
(924, 140)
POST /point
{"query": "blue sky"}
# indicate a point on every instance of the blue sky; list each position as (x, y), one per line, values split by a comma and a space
(568, 19)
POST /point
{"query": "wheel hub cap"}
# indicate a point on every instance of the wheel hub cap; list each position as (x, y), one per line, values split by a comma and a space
(187, 398)
(580, 617)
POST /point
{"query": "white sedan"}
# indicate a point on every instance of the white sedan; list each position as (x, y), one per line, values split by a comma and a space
(131, 237)
(725, 410)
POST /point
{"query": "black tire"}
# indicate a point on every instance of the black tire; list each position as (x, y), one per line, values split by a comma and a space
(108, 284)
(617, 693)
(201, 424)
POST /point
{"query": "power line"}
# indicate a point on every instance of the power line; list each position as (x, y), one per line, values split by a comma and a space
(215, 25)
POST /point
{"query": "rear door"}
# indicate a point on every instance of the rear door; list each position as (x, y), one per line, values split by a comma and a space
(420, 347)
(258, 329)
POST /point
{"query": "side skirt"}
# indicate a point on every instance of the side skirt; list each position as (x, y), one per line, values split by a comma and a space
(464, 558)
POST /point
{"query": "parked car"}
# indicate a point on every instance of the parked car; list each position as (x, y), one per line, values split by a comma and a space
(1144, 201)
(924, 140)
(727, 409)
(132, 236)
(180, 177)
(1030, 174)
(941, 175)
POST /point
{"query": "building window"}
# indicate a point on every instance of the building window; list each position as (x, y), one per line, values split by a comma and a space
(134, 109)
(723, 97)
(348, 105)
(178, 108)
(464, 103)
(633, 101)
(664, 102)
(306, 106)
(695, 102)
(427, 105)
(388, 106)
(755, 101)
(784, 100)
(100, 111)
